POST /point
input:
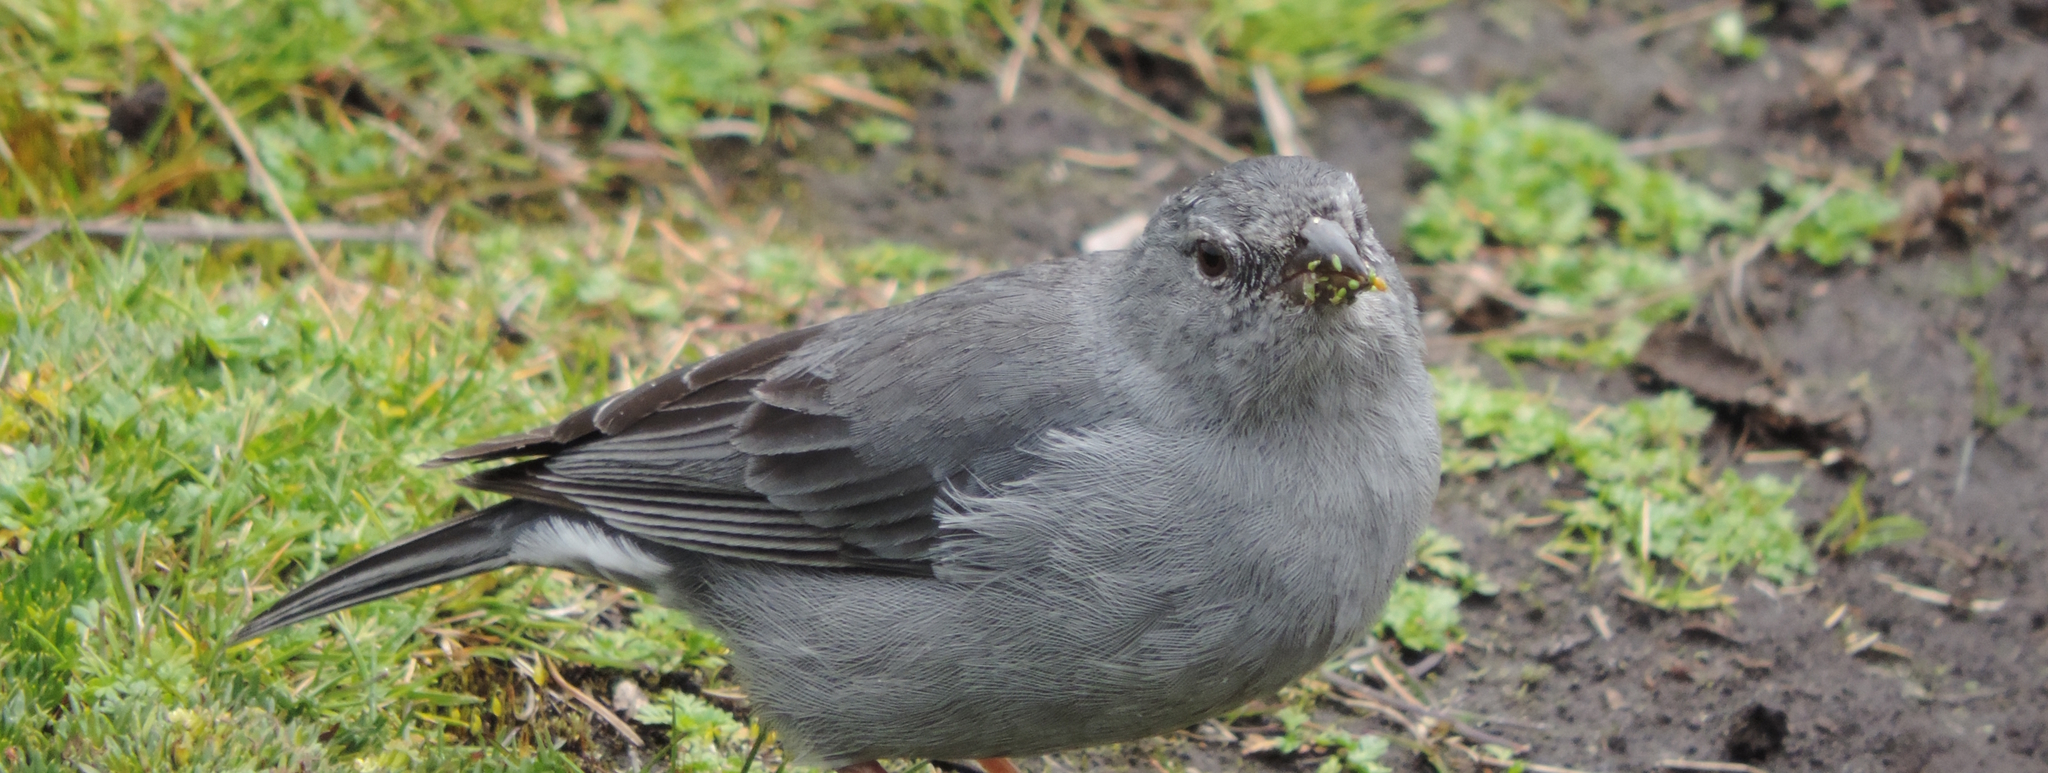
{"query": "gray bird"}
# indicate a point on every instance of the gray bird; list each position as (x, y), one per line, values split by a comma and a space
(1080, 502)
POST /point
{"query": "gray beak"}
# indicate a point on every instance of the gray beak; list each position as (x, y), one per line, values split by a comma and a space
(1327, 270)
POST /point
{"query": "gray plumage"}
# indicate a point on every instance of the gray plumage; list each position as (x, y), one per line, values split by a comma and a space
(1081, 502)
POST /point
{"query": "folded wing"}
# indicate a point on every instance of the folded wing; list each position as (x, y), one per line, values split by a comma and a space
(826, 446)
(721, 458)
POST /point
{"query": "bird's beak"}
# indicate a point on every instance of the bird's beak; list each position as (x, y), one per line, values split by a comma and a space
(1327, 270)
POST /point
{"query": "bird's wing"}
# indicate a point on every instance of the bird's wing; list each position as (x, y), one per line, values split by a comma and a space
(826, 446)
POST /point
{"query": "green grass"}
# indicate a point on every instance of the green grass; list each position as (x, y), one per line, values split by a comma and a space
(368, 110)
(175, 428)
(185, 434)
(381, 110)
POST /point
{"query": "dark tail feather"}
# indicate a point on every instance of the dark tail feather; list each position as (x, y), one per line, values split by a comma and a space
(477, 542)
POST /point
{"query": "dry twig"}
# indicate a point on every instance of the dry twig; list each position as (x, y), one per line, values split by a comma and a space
(35, 231)
(1756, 246)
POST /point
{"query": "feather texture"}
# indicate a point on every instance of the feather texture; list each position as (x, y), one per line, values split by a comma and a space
(722, 458)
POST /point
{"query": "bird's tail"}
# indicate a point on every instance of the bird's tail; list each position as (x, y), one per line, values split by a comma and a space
(468, 544)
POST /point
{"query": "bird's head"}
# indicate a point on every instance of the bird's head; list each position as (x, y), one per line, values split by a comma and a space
(1265, 277)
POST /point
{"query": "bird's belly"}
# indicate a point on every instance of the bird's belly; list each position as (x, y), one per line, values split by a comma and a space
(1010, 668)
(1070, 612)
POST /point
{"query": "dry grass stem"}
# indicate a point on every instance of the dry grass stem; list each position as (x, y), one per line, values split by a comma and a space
(1394, 684)
(1834, 617)
(1365, 693)
(1680, 18)
(217, 231)
(1533, 767)
(844, 90)
(1020, 50)
(1935, 597)
(1599, 621)
(1107, 85)
(1279, 119)
(264, 181)
(602, 711)
(1097, 160)
(1710, 767)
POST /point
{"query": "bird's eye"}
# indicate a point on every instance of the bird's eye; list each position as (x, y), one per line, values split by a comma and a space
(1210, 257)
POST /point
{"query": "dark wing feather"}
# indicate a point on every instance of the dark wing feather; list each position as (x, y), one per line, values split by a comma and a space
(827, 446)
(615, 414)
(701, 459)
(768, 429)
(529, 443)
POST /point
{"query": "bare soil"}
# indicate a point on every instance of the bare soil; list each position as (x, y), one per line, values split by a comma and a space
(1953, 88)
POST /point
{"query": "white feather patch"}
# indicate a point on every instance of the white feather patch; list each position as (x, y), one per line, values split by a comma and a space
(575, 546)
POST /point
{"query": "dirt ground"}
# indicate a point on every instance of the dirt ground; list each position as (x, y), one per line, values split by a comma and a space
(1873, 351)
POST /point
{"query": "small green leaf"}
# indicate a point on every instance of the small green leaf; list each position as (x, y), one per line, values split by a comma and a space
(1988, 406)
(1888, 530)
(1850, 513)
(1421, 616)
(876, 130)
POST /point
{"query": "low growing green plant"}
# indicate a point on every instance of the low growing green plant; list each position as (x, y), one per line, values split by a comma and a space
(183, 433)
(702, 738)
(1593, 240)
(1422, 613)
(1438, 552)
(1840, 228)
(1676, 529)
(1422, 616)
(1987, 401)
(1571, 221)
(1348, 753)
